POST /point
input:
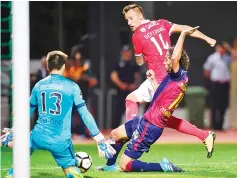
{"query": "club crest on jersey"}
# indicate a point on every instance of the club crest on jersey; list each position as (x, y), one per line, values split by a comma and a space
(143, 29)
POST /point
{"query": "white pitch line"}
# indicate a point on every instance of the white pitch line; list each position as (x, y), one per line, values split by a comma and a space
(185, 164)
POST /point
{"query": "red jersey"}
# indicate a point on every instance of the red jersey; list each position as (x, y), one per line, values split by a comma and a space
(152, 39)
(166, 98)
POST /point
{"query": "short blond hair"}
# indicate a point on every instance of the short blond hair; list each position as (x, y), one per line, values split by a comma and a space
(136, 7)
(55, 60)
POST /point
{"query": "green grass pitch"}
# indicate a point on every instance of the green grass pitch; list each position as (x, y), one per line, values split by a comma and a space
(190, 157)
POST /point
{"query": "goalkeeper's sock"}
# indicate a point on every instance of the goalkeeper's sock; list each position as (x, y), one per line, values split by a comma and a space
(139, 166)
(186, 127)
(117, 146)
(131, 109)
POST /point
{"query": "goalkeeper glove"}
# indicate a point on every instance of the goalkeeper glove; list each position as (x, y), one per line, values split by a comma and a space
(104, 148)
(7, 138)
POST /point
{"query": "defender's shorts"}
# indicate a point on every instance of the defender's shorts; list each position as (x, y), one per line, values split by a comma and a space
(144, 135)
(145, 91)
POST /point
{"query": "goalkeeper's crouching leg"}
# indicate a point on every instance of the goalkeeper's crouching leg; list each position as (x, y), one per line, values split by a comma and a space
(73, 172)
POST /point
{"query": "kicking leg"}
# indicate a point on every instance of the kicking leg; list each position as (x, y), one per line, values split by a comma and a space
(144, 136)
(131, 106)
(181, 125)
(143, 94)
(67, 160)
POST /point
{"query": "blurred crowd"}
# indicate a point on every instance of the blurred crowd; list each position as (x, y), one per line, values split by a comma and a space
(217, 69)
(126, 77)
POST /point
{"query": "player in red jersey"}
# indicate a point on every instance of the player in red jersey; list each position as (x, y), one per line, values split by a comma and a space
(151, 40)
(145, 130)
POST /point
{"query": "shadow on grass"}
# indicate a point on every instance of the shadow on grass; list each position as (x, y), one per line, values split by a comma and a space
(48, 175)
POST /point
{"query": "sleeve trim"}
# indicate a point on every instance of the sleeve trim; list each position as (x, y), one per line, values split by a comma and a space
(138, 54)
(32, 105)
(171, 29)
(80, 105)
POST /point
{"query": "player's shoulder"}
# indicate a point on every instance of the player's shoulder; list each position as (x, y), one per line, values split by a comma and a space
(42, 82)
(70, 83)
(137, 34)
(163, 21)
(178, 76)
(141, 29)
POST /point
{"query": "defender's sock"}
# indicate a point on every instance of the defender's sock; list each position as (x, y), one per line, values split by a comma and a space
(131, 109)
(139, 166)
(186, 127)
(117, 146)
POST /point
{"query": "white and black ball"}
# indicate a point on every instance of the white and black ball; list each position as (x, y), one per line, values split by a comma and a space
(84, 161)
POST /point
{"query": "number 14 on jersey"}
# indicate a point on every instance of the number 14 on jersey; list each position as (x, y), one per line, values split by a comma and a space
(165, 45)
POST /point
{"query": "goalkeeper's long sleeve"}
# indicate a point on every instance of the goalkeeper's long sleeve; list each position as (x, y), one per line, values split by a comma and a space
(32, 109)
(83, 111)
(88, 119)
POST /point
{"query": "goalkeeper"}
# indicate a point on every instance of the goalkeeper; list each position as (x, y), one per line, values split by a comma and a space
(54, 96)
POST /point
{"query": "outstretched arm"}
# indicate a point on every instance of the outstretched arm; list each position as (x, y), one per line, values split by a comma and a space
(151, 76)
(197, 34)
(179, 47)
(104, 148)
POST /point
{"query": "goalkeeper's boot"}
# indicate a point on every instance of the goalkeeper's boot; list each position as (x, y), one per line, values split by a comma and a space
(106, 168)
(169, 167)
(209, 143)
(9, 174)
(74, 175)
(73, 172)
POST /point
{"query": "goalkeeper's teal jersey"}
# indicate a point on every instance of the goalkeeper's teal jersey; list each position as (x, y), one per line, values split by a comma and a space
(55, 96)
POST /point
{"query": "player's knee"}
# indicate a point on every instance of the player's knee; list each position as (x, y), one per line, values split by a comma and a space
(131, 97)
(123, 165)
(115, 134)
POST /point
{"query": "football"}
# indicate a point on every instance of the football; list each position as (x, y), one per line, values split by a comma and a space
(84, 161)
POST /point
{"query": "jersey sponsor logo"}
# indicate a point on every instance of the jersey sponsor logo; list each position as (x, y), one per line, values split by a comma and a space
(151, 24)
(45, 120)
(143, 29)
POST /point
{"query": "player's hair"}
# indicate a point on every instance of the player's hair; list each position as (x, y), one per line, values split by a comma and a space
(55, 60)
(136, 7)
(184, 59)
